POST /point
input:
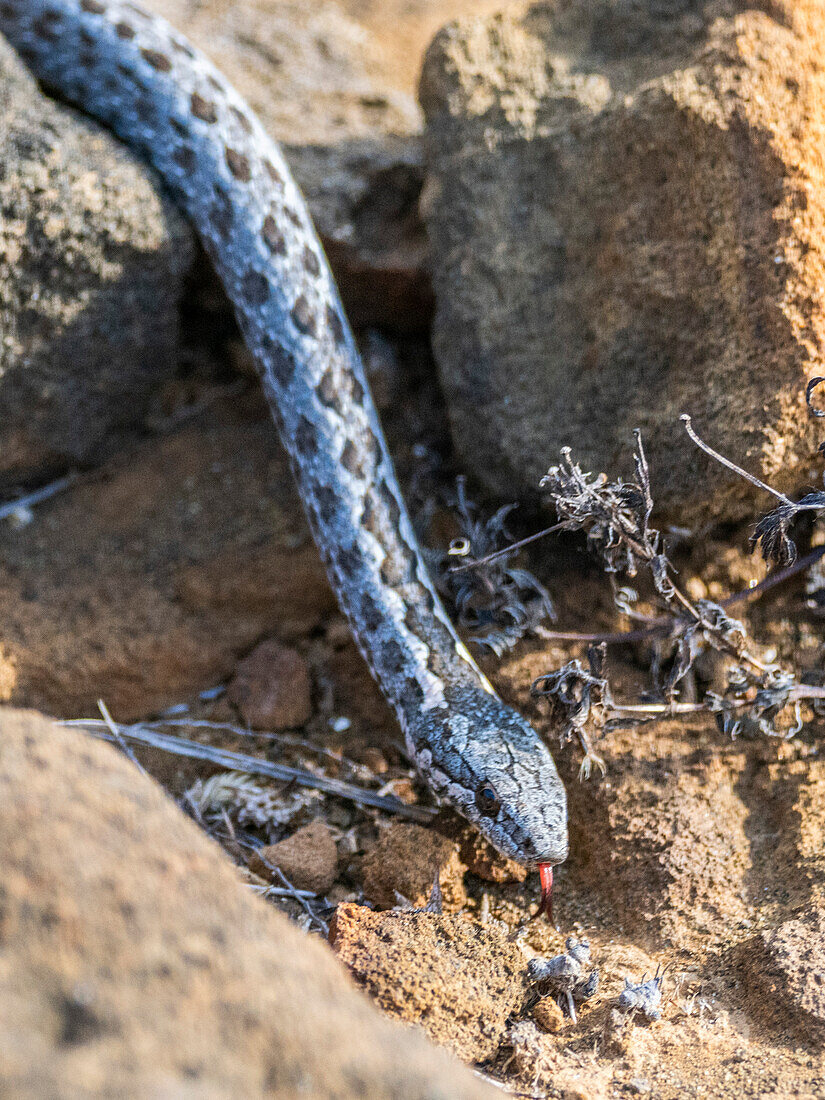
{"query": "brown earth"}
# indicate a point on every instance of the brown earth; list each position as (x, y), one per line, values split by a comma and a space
(693, 851)
(150, 580)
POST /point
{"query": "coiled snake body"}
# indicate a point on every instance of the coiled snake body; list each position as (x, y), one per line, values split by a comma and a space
(130, 70)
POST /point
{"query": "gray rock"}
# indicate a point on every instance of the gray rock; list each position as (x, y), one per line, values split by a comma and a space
(92, 267)
(323, 86)
(627, 222)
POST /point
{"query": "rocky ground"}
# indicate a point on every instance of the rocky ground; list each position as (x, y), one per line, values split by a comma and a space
(174, 578)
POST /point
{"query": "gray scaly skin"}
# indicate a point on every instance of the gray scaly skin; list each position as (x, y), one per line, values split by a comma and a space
(131, 71)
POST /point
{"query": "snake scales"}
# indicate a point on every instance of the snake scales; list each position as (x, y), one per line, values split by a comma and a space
(131, 71)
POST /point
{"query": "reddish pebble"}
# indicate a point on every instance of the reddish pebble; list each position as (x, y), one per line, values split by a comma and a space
(272, 688)
(308, 859)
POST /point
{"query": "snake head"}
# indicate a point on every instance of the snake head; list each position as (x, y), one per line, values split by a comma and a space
(487, 762)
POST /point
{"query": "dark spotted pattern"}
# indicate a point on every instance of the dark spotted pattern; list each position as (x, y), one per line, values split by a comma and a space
(238, 165)
(273, 236)
(302, 316)
(183, 48)
(255, 288)
(329, 392)
(370, 614)
(336, 326)
(241, 119)
(349, 561)
(327, 500)
(220, 213)
(185, 159)
(390, 502)
(144, 108)
(351, 460)
(157, 60)
(280, 362)
(312, 265)
(369, 519)
(273, 173)
(204, 109)
(131, 71)
(393, 656)
(306, 439)
(46, 27)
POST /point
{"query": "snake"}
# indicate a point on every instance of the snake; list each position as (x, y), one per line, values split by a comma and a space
(131, 71)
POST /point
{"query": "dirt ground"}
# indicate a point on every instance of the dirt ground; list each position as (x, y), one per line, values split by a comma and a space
(147, 582)
(150, 581)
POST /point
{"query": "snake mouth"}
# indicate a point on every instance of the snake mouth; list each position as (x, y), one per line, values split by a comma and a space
(546, 900)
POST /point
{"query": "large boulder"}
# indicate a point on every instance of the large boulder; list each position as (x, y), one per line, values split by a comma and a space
(133, 962)
(627, 213)
(325, 89)
(92, 267)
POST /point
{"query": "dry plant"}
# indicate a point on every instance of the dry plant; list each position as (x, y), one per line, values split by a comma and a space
(615, 519)
(497, 603)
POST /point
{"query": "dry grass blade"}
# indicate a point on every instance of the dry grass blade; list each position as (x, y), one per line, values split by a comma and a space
(241, 762)
(24, 503)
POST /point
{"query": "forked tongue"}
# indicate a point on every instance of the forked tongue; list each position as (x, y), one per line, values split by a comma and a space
(546, 901)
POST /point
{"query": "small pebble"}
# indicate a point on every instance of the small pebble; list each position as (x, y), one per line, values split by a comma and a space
(404, 863)
(272, 688)
(308, 859)
(548, 1015)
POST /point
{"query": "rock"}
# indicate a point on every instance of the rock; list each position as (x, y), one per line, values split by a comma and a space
(785, 973)
(405, 861)
(308, 858)
(459, 981)
(135, 963)
(272, 688)
(479, 855)
(326, 90)
(627, 218)
(147, 584)
(92, 269)
(548, 1015)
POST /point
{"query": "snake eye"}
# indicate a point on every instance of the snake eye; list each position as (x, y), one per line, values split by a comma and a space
(487, 800)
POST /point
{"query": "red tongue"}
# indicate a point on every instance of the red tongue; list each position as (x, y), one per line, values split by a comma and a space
(546, 902)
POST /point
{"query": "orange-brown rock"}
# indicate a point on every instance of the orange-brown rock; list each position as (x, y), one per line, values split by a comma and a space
(271, 687)
(404, 863)
(308, 858)
(626, 204)
(134, 962)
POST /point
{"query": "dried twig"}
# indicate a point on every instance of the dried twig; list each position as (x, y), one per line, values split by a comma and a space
(117, 735)
(24, 503)
(771, 532)
(296, 895)
(241, 762)
(615, 517)
(498, 603)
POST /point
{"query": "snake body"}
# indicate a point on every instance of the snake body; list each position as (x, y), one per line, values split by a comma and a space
(134, 73)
